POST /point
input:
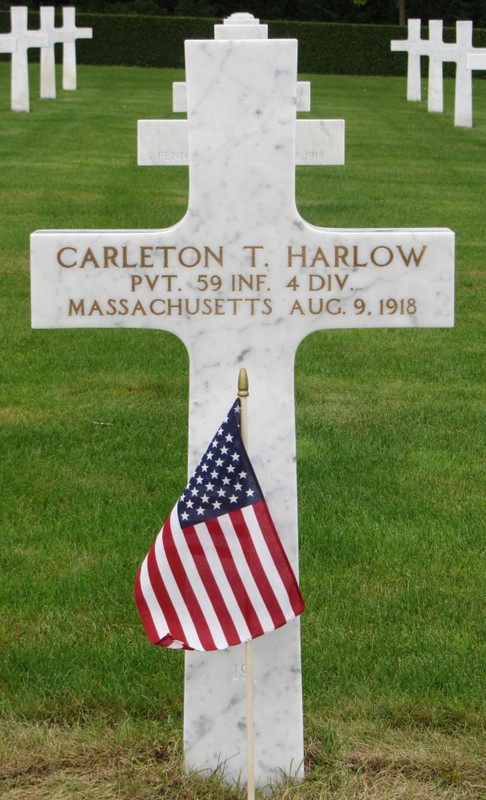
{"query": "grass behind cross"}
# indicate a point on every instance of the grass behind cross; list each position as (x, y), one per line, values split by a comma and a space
(391, 476)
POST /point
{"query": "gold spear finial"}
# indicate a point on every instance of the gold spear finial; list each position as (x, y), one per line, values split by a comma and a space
(243, 390)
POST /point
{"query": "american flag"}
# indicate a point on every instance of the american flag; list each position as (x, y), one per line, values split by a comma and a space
(217, 574)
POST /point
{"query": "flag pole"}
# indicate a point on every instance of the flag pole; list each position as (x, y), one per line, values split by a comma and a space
(243, 393)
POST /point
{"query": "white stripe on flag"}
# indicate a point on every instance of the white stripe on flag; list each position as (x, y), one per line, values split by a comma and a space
(221, 579)
(150, 598)
(267, 561)
(170, 583)
(197, 584)
(245, 573)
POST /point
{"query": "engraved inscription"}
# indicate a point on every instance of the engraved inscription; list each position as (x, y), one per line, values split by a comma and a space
(322, 281)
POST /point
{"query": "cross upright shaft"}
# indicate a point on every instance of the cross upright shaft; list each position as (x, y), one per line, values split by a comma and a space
(251, 165)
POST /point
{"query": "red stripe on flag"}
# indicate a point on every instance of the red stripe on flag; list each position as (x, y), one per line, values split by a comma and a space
(211, 586)
(279, 556)
(256, 568)
(163, 596)
(186, 590)
(246, 606)
(144, 611)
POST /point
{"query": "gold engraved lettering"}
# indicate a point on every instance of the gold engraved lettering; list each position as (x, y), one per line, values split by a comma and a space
(191, 256)
(174, 305)
(76, 309)
(209, 252)
(192, 260)
(254, 282)
(144, 257)
(326, 282)
(164, 306)
(153, 281)
(333, 306)
(387, 259)
(412, 255)
(340, 254)
(138, 308)
(317, 306)
(110, 254)
(292, 255)
(95, 309)
(253, 249)
(60, 254)
(165, 250)
(235, 302)
(319, 256)
(153, 307)
(356, 262)
(89, 258)
(125, 264)
(297, 307)
(145, 253)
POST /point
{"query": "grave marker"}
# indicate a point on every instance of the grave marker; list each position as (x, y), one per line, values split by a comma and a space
(69, 73)
(417, 47)
(414, 47)
(20, 100)
(459, 52)
(48, 58)
(477, 60)
(241, 280)
(435, 97)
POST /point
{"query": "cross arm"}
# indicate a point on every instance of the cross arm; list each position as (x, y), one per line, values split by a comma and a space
(8, 43)
(477, 59)
(166, 142)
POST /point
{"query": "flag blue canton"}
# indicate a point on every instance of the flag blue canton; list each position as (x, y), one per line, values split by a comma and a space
(224, 479)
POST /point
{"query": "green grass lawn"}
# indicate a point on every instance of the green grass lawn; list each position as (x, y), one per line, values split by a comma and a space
(391, 445)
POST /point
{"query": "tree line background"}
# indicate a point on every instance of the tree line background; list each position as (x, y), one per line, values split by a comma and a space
(350, 11)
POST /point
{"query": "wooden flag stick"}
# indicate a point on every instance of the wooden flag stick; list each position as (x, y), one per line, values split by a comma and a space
(250, 756)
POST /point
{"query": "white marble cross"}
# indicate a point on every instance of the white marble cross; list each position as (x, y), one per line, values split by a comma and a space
(166, 142)
(435, 95)
(476, 60)
(415, 47)
(24, 39)
(459, 52)
(241, 280)
(48, 59)
(69, 74)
